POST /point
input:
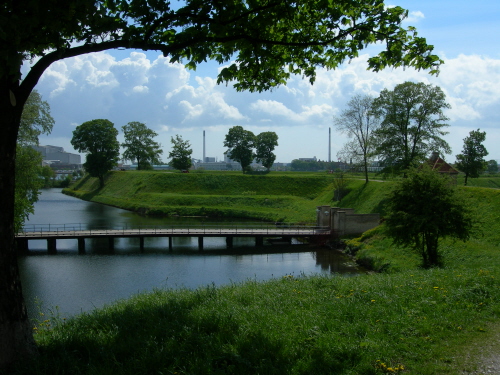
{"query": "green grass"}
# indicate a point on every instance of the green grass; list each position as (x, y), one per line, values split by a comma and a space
(292, 325)
(273, 197)
(402, 320)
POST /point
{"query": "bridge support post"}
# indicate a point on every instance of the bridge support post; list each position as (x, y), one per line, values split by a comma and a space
(229, 242)
(259, 241)
(51, 245)
(22, 245)
(170, 247)
(81, 245)
(200, 243)
(141, 244)
(111, 241)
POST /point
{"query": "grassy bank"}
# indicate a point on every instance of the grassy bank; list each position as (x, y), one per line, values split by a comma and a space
(402, 320)
(274, 197)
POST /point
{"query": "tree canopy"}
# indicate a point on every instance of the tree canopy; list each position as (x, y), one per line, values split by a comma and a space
(97, 138)
(264, 146)
(492, 166)
(471, 160)
(261, 43)
(425, 207)
(35, 121)
(140, 146)
(240, 144)
(413, 123)
(180, 155)
(359, 122)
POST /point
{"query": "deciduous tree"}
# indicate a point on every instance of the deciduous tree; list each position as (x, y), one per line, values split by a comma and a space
(35, 121)
(413, 123)
(97, 138)
(262, 42)
(471, 160)
(180, 156)
(425, 207)
(358, 121)
(492, 166)
(264, 147)
(140, 146)
(240, 144)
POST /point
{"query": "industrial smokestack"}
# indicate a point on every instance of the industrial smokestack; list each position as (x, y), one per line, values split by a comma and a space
(204, 157)
(329, 145)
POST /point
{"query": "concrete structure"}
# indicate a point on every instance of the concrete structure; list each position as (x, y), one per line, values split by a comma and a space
(56, 154)
(344, 221)
(259, 231)
(219, 166)
(309, 159)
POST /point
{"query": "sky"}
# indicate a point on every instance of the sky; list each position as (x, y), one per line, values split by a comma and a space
(127, 85)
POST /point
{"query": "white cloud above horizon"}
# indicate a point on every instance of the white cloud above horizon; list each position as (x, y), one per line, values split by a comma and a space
(125, 86)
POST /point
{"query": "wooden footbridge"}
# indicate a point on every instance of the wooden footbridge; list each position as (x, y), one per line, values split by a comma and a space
(51, 233)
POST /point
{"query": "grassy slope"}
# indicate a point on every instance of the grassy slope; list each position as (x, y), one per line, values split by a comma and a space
(422, 320)
(270, 197)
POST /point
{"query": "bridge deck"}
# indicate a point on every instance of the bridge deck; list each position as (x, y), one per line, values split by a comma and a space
(175, 232)
(51, 233)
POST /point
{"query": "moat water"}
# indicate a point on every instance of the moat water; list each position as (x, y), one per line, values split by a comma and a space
(72, 283)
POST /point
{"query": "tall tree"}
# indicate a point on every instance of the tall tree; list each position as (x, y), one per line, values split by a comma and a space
(358, 121)
(35, 121)
(413, 123)
(180, 156)
(424, 208)
(240, 144)
(492, 166)
(140, 146)
(471, 160)
(264, 147)
(263, 42)
(97, 138)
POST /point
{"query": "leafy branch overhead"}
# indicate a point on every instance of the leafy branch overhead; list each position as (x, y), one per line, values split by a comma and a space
(263, 43)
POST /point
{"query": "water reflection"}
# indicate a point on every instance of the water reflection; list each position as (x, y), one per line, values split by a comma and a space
(81, 283)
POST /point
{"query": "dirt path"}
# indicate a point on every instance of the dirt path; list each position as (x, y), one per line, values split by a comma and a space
(483, 356)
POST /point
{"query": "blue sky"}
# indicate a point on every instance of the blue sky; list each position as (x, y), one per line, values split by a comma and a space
(125, 86)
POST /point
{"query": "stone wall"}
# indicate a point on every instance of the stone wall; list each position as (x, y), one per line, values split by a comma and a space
(344, 221)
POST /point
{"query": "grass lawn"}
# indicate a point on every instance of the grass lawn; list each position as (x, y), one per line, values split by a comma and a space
(402, 320)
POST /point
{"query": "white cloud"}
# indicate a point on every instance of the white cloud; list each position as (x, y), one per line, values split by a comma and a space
(171, 100)
(414, 16)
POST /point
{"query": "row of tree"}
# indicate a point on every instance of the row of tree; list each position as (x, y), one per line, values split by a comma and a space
(98, 139)
(261, 44)
(401, 128)
(243, 147)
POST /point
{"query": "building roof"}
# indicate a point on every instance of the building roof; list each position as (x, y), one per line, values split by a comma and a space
(439, 165)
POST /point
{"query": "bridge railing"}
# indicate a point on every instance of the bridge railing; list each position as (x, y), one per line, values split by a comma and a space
(71, 229)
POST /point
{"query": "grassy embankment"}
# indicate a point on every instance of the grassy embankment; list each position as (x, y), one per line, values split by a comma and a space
(404, 320)
(274, 197)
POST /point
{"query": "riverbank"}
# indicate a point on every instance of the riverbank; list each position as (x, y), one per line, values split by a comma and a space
(272, 197)
(403, 320)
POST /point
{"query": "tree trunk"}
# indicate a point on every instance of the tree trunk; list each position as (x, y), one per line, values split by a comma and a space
(16, 333)
(366, 168)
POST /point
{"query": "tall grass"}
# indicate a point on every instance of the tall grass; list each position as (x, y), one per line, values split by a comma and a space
(412, 321)
(273, 197)
(402, 320)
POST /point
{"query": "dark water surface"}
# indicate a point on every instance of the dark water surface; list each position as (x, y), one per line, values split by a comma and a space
(76, 283)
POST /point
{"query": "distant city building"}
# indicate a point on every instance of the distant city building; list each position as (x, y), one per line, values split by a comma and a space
(218, 166)
(308, 159)
(280, 167)
(57, 155)
(127, 167)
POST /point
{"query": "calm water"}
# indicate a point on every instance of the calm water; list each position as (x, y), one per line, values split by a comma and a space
(76, 283)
